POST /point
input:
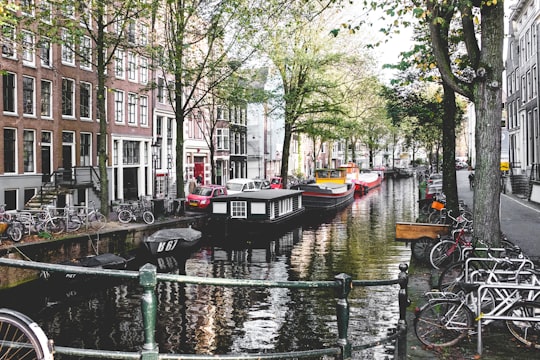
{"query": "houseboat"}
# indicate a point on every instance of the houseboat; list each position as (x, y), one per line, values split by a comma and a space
(363, 180)
(255, 212)
(331, 191)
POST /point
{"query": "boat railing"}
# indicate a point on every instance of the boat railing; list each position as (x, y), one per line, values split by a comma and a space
(149, 277)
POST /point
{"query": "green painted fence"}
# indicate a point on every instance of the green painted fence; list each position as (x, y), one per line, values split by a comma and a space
(148, 279)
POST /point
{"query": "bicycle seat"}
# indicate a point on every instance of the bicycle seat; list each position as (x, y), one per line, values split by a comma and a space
(467, 287)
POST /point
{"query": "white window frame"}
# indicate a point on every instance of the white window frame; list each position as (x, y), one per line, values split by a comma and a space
(29, 111)
(8, 42)
(119, 107)
(48, 99)
(90, 103)
(45, 52)
(85, 160)
(239, 209)
(143, 69)
(132, 66)
(143, 110)
(72, 96)
(119, 62)
(68, 56)
(28, 54)
(85, 61)
(15, 91)
(32, 157)
(132, 109)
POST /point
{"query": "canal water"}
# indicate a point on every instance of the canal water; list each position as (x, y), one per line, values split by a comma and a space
(194, 319)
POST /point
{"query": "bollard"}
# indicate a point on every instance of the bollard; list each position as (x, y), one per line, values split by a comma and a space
(342, 312)
(148, 280)
(404, 302)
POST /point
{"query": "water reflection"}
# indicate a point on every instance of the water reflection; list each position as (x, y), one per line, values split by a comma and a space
(217, 320)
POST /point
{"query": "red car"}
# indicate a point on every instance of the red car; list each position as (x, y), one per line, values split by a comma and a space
(202, 196)
(276, 183)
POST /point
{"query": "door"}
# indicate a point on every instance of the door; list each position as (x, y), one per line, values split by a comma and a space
(130, 184)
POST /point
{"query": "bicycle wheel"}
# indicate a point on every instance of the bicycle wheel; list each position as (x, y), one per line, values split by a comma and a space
(148, 217)
(15, 233)
(55, 226)
(526, 331)
(444, 253)
(74, 223)
(21, 338)
(97, 221)
(420, 248)
(125, 216)
(443, 322)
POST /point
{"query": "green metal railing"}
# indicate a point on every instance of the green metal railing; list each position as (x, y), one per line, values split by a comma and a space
(148, 279)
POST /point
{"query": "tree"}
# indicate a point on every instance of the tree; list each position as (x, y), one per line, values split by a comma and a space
(296, 48)
(476, 73)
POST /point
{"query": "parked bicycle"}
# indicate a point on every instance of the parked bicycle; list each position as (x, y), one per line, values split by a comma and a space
(134, 212)
(22, 338)
(93, 218)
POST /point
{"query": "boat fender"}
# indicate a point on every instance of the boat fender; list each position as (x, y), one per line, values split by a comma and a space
(366, 189)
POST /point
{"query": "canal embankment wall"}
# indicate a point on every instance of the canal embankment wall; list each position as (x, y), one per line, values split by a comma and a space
(115, 238)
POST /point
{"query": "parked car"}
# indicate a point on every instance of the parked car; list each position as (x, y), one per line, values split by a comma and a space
(238, 185)
(276, 183)
(261, 184)
(202, 196)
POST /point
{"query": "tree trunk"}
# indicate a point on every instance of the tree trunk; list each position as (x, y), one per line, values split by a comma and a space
(285, 153)
(488, 101)
(449, 150)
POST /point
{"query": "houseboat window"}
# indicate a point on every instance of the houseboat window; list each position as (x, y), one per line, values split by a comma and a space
(285, 206)
(258, 208)
(239, 209)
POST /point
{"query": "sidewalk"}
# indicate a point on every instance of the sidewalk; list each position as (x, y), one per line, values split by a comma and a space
(520, 221)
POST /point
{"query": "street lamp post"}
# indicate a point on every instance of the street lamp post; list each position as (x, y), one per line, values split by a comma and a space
(156, 148)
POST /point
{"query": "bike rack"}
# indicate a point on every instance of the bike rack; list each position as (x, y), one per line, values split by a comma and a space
(481, 317)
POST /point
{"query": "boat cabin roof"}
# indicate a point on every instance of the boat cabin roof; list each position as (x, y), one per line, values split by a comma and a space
(265, 194)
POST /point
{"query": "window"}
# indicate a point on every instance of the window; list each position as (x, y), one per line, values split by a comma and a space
(86, 53)
(85, 98)
(222, 139)
(46, 98)
(119, 64)
(159, 126)
(131, 32)
(86, 142)
(9, 92)
(161, 90)
(143, 110)
(131, 153)
(143, 37)
(8, 41)
(68, 56)
(68, 9)
(9, 150)
(45, 52)
(132, 65)
(68, 97)
(27, 7)
(119, 106)
(239, 209)
(132, 107)
(28, 52)
(29, 151)
(28, 96)
(143, 69)
(45, 11)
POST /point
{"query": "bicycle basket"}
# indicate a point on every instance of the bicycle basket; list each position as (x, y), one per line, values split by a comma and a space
(437, 205)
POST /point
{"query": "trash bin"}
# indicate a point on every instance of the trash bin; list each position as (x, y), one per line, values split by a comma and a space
(179, 206)
(158, 207)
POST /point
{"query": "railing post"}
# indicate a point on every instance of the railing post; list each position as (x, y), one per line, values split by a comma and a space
(404, 302)
(148, 280)
(342, 312)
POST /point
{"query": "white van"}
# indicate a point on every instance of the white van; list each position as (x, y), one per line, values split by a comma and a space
(235, 186)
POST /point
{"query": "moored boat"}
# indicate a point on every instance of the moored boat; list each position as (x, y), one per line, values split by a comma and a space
(170, 241)
(255, 212)
(101, 261)
(330, 191)
(363, 180)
